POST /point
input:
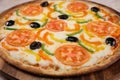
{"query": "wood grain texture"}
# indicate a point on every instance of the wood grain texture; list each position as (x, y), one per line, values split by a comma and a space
(110, 73)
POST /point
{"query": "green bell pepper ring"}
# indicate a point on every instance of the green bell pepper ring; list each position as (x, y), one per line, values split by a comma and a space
(46, 51)
(82, 45)
(55, 8)
(82, 22)
(7, 28)
(78, 32)
(44, 23)
(99, 16)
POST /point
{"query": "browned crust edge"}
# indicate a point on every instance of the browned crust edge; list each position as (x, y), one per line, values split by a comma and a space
(37, 70)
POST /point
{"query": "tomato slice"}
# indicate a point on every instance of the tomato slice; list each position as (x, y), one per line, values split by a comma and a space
(72, 55)
(56, 25)
(101, 28)
(20, 38)
(77, 7)
(31, 10)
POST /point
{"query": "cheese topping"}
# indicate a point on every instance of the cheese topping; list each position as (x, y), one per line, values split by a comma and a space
(54, 39)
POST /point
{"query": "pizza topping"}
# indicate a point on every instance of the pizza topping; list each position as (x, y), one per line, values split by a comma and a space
(7, 28)
(34, 25)
(46, 51)
(72, 55)
(56, 39)
(74, 33)
(35, 45)
(97, 43)
(20, 38)
(85, 47)
(110, 41)
(99, 16)
(38, 58)
(56, 25)
(76, 28)
(64, 16)
(77, 7)
(46, 20)
(10, 23)
(85, 21)
(46, 40)
(31, 10)
(59, 11)
(72, 39)
(44, 4)
(9, 48)
(95, 9)
(45, 56)
(101, 28)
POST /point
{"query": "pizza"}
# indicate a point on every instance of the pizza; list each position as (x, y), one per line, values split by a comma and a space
(59, 38)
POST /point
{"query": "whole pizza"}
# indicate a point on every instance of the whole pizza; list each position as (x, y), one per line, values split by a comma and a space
(60, 37)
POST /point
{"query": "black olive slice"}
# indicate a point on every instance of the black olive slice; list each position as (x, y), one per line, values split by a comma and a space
(111, 41)
(72, 39)
(64, 16)
(44, 4)
(35, 45)
(34, 25)
(95, 9)
(10, 23)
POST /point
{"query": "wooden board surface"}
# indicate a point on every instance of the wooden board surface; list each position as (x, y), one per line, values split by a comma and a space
(110, 73)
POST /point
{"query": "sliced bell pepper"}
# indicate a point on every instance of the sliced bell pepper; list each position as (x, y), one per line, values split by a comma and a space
(38, 58)
(55, 8)
(86, 21)
(58, 40)
(45, 50)
(7, 28)
(51, 10)
(93, 46)
(77, 27)
(44, 56)
(8, 47)
(25, 18)
(45, 38)
(20, 23)
(87, 41)
(39, 32)
(84, 13)
(17, 12)
(99, 16)
(60, 4)
(87, 32)
(44, 23)
(78, 32)
(88, 49)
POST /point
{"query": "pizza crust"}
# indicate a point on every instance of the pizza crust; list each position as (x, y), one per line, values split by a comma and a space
(104, 63)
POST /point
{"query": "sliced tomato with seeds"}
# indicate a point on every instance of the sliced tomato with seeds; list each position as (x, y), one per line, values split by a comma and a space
(101, 28)
(56, 25)
(20, 38)
(77, 7)
(31, 10)
(72, 55)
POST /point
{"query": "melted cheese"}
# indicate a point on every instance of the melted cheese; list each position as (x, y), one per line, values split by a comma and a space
(19, 55)
(23, 57)
(98, 56)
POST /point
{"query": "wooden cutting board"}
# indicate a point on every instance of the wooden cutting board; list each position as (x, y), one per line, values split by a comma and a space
(110, 73)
